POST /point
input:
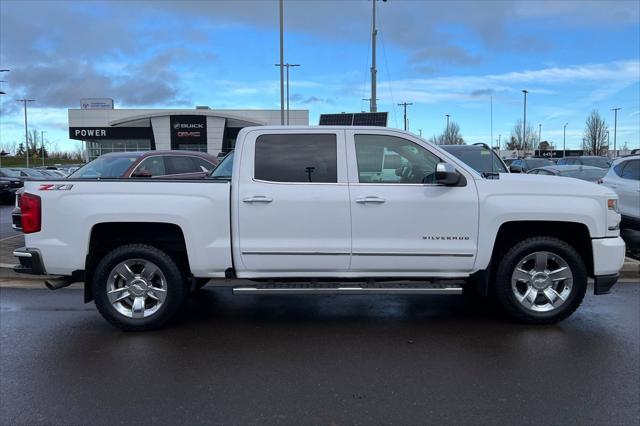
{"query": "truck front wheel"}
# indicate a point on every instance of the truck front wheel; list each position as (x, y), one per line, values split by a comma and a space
(541, 280)
(138, 287)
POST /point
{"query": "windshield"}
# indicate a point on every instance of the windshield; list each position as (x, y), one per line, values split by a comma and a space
(104, 167)
(534, 163)
(9, 173)
(29, 172)
(224, 168)
(584, 174)
(601, 162)
(482, 160)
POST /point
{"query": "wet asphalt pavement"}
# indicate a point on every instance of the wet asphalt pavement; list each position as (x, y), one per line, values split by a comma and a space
(5, 221)
(318, 360)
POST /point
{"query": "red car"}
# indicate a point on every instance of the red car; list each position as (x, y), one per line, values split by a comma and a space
(148, 164)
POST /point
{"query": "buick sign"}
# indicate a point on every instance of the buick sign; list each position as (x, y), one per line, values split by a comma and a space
(188, 129)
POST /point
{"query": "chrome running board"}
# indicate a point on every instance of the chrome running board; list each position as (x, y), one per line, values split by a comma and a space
(351, 289)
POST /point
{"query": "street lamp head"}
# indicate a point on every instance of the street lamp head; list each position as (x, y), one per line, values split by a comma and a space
(525, 91)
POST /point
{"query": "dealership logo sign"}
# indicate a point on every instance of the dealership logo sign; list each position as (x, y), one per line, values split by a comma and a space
(187, 130)
(90, 132)
(178, 126)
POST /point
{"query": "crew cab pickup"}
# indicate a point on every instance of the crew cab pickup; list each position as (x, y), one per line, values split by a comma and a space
(325, 210)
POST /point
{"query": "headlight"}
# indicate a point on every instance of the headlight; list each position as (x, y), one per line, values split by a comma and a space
(612, 204)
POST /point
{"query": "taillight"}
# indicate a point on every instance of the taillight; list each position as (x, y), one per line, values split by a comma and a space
(30, 212)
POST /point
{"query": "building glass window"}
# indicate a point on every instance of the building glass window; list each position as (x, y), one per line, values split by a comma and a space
(95, 148)
(192, 147)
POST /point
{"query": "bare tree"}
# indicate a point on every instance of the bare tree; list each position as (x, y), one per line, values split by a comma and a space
(512, 144)
(595, 134)
(9, 147)
(530, 138)
(451, 135)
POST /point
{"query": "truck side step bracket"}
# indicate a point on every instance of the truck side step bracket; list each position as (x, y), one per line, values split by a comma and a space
(349, 289)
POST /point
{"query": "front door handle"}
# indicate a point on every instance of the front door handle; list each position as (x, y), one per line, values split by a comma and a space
(258, 199)
(370, 199)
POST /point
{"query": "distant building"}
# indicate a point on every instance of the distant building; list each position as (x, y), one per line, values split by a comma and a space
(200, 129)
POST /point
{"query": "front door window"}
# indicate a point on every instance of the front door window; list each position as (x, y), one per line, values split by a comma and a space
(390, 159)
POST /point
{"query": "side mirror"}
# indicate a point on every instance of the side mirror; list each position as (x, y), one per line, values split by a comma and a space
(515, 169)
(447, 175)
(142, 174)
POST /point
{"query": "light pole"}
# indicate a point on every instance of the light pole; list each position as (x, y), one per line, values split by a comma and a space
(499, 139)
(281, 62)
(491, 101)
(524, 124)
(539, 133)
(446, 132)
(564, 140)
(615, 128)
(405, 105)
(373, 106)
(420, 131)
(26, 133)
(289, 66)
(42, 132)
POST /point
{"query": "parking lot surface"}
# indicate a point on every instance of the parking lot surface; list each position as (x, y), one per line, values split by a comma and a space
(296, 360)
(5, 221)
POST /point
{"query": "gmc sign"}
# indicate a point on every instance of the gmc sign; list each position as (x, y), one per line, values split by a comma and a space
(188, 129)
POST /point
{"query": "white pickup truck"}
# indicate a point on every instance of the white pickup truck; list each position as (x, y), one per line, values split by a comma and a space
(325, 210)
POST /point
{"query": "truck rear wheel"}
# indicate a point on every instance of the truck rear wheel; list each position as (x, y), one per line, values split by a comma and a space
(541, 280)
(138, 287)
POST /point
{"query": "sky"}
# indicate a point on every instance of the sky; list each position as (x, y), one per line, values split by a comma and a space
(445, 57)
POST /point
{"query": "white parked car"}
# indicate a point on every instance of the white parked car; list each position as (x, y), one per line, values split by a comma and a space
(624, 178)
(325, 210)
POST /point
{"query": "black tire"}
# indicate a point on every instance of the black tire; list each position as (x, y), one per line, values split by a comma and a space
(175, 294)
(505, 296)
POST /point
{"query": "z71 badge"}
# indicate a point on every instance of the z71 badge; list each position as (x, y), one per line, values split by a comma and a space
(55, 187)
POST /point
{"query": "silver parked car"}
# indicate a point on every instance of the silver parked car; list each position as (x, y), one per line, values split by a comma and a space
(624, 178)
(588, 173)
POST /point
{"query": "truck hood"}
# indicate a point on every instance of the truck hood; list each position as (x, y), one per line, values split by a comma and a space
(521, 183)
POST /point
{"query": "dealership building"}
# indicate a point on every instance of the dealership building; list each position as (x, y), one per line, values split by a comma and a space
(105, 129)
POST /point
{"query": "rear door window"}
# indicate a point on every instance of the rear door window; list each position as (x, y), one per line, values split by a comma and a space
(204, 165)
(296, 158)
(181, 164)
(631, 170)
(153, 165)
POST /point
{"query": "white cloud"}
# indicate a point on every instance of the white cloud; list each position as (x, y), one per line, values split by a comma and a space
(611, 78)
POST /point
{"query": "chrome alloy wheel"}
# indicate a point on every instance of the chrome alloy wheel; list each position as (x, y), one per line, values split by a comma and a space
(136, 288)
(542, 281)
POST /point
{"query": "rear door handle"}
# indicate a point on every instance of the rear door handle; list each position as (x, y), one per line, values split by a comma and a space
(258, 199)
(370, 199)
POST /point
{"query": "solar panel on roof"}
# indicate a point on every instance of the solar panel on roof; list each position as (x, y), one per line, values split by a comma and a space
(354, 119)
(370, 119)
(336, 119)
